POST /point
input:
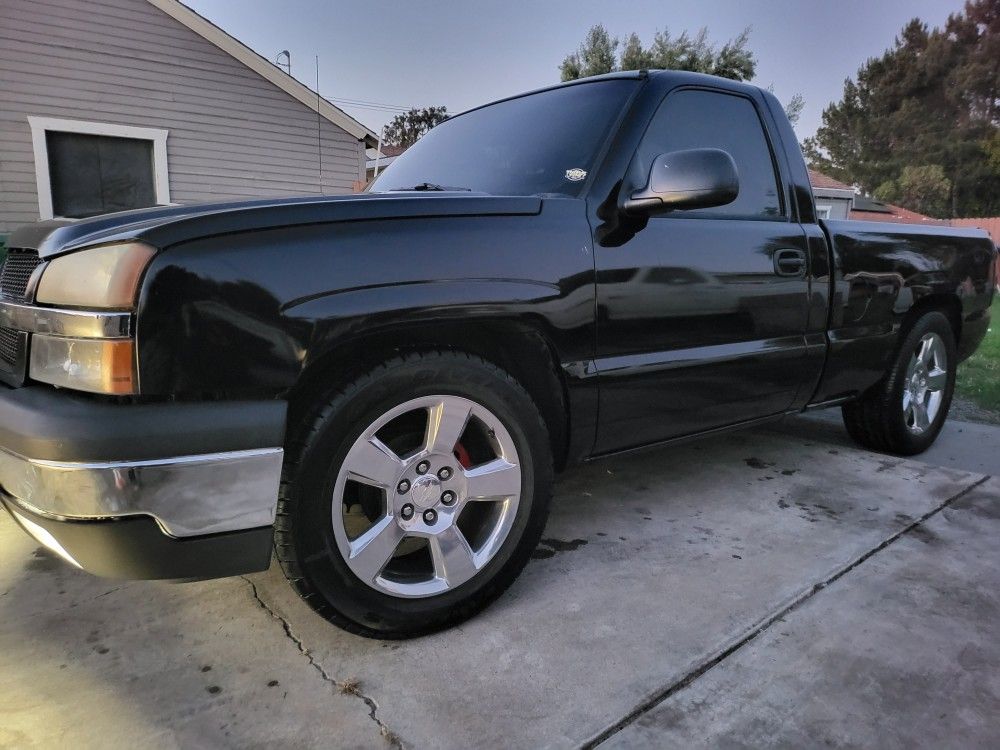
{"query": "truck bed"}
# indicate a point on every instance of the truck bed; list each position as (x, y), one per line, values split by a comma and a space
(880, 274)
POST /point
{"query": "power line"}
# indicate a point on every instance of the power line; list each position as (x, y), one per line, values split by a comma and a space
(366, 107)
(362, 104)
(375, 109)
(375, 104)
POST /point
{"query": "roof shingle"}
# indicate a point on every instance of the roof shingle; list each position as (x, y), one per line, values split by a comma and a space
(820, 180)
(392, 150)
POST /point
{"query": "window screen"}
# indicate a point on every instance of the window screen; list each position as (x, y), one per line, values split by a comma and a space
(95, 174)
(708, 119)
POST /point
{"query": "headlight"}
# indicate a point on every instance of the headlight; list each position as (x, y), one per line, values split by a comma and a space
(102, 277)
(99, 280)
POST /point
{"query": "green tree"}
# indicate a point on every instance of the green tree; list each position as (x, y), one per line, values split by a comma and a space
(794, 107)
(924, 189)
(695, 53)
(597, 55)
(634, 56)
(933, 98)
(405, 129)
(992, 148)
(734, 60)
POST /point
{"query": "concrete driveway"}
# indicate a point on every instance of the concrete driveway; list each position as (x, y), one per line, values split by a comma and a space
(777, 587)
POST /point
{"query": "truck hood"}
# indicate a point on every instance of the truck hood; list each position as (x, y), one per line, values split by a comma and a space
(169, 225)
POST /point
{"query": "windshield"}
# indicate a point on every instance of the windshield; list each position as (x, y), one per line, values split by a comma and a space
(539, 143)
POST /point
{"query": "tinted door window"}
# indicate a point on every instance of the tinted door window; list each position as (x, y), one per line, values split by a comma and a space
(708, 119)
(95, 174)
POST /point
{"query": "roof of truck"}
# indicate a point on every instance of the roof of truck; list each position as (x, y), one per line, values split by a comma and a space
(682, 77)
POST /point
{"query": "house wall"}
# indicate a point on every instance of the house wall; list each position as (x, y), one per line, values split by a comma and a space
(232, 134)
(839, 207)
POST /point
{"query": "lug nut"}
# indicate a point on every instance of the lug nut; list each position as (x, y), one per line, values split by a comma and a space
(406, 512)
(447, 497)
(430, 516)
(403, 487)
(423, 467)
(444, 474)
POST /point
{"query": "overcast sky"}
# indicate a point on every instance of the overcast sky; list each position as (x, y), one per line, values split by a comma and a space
(461, 54)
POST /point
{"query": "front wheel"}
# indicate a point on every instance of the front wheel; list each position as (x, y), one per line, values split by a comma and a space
(416, 497)
(904, 413)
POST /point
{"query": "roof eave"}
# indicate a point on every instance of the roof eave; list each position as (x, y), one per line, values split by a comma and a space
(272, 73)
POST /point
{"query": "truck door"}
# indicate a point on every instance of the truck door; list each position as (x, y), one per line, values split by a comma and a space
(701, 316)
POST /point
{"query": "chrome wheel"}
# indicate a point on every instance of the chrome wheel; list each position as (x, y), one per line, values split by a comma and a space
(924, 386)
(426, 496)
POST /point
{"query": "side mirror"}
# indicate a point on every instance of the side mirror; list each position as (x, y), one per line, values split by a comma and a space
(696, 178)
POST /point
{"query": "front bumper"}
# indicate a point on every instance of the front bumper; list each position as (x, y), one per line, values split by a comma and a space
(143, 490)
(136, 547)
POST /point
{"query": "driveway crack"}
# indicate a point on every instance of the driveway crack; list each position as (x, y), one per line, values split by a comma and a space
(348, 687)
(658, 697)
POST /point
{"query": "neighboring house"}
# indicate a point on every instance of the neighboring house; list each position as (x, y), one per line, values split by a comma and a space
(129, 103)
(867, 209)
(833, 198)
(831, 203)
(381, 159)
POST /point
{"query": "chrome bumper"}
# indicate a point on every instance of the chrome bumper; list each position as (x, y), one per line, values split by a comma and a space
(186, 495)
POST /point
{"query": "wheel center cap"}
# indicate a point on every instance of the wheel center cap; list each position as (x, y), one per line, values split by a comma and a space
(426, 492)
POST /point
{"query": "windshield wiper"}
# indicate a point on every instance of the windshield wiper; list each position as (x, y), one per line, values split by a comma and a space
(430, 186)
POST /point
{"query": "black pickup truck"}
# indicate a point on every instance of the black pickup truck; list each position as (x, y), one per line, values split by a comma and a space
(380, 387)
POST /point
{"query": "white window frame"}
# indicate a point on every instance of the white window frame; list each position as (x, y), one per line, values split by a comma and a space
(823, 211)
(42, 125)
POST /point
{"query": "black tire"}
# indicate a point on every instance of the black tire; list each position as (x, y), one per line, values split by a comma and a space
(876, 419)
(304, 537)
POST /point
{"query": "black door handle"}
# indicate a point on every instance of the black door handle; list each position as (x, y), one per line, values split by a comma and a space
(790, 262)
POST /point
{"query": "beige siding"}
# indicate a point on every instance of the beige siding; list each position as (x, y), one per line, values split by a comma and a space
(232, 134)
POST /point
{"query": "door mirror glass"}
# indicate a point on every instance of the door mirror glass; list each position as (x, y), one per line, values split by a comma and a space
(694, 178)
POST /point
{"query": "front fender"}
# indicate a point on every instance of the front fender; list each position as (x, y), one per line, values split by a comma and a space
(344, 317)
(249, 312)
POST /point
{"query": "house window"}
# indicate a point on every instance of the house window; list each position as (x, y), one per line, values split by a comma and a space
(87, 168)
(823, 212)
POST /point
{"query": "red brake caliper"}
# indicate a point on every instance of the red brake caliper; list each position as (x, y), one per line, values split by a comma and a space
(463, 456)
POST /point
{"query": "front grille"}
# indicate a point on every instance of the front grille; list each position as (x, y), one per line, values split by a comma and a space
(16, 272)
(10, 346)
(14, 276)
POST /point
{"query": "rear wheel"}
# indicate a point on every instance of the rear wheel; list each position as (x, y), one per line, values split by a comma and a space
(416, 496)
(904, 413)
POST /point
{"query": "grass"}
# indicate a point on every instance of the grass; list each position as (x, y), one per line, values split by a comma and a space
(979, 376)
